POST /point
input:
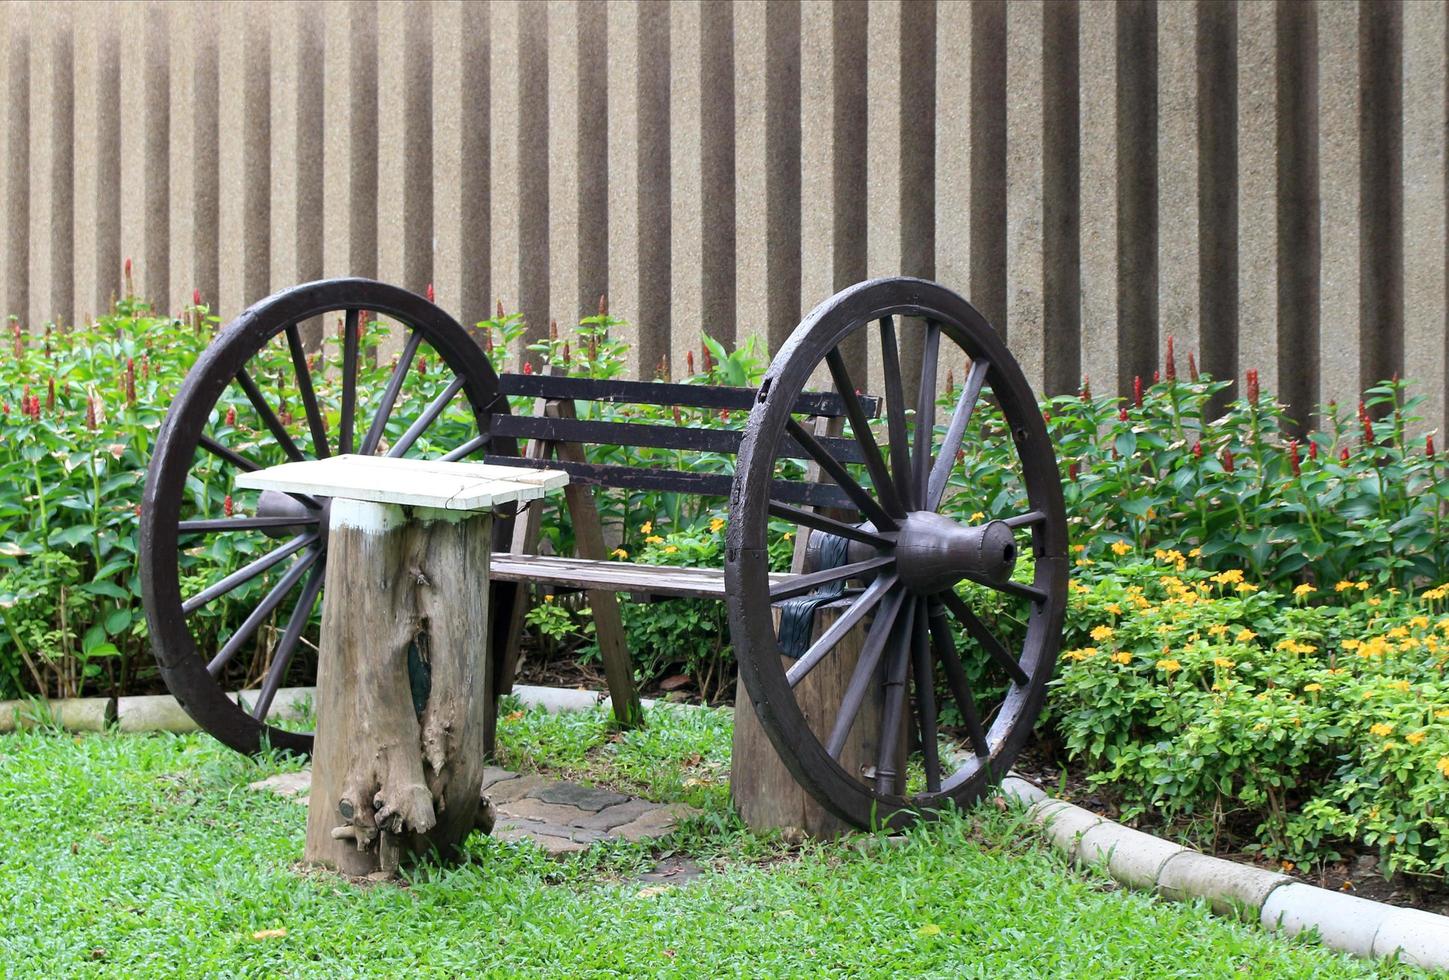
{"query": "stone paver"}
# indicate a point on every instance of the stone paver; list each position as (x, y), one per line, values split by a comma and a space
(588, 798)
(560, 817)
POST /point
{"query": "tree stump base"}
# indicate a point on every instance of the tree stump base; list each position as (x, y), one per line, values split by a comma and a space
(403, 684)
(762, 788)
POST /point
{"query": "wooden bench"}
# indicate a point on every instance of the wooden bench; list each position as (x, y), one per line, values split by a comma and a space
(556, 438)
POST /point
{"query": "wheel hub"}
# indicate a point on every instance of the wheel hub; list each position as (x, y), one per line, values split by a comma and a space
(933, 552)
(274, 503)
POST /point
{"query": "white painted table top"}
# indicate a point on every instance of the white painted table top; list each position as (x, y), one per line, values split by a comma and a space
(409, 482)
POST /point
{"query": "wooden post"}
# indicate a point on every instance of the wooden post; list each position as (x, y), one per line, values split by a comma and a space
(763, 790)
(403, 682)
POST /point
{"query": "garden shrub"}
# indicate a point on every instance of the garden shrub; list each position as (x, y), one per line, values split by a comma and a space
(1308, 718)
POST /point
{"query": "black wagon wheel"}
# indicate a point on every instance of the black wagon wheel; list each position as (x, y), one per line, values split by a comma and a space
(231, 577)
(950, 630)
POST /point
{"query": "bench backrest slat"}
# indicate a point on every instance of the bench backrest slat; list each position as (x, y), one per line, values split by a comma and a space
(679, 481)
(650, 436)
(819, 403)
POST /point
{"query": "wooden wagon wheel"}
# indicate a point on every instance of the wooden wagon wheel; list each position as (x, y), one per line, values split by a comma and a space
(916, 567)
(255, 398)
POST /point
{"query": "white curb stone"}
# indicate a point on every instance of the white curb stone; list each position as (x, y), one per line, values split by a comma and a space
(1132, 857)
(1342, 921)
(1016, 788)
(153, 713)
(70, 714)
(289, 703)
(1419, 937)
(1231, 888)
(1064, 823)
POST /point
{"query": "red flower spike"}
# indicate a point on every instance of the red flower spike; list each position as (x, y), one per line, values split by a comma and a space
(568, 356)
(146, 366)
(1429, 445)
(1253, 390)
(1086, 388)
(1171, 360)
(500, 309)
(226, 505)
(432, 296)
(196, 297)
(127, 267)
(1228, 460)
(951, 386)
(1046, 417)
(138, 510)
(1197, 450)
(1073, 470)
(1191, 366)
(1368, 431)
(1115, 453)
(1137, 391)
(50, 403)
(678, 418)
(1295, 457)
(1312, 450)
(231, 416)
(1156, 376)
(422, 367)
(1122, 414)
(960, 456)
(1343, 456)
(4, 408)
(707, 357)
(527, 367)
(90, 413)
(553, 330)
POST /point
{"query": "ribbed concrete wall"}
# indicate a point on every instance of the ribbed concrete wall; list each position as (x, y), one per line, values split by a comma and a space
(1264, 181)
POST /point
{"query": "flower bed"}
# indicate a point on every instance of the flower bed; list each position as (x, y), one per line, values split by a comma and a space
(1298, 719)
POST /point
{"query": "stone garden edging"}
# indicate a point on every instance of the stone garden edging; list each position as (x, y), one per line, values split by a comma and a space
(1275, 901)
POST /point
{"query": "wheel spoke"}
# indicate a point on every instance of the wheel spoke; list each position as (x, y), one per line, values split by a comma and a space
(309, 397)
(893, 715)
(467, 449)
(1017, 589)
(983, 636)
(956, 681)
(287, 646)
(1024, 520)
(269, 417)
(837, 631)
(390, 393)
(241, 523)
(800, 584)
(926, 412)
(838, 473)
(965, 405)
(819, 522)
(925, 679)
(350, 344)
(264, 609)
(860, 678)
(427, 418)
(245, 573)
(230, 455)
(860, 428)
(895, 410)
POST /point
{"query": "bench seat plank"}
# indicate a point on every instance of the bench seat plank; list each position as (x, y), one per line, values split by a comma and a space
(613, 576)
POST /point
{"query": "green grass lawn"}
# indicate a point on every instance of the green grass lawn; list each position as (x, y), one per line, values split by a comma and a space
(148, 856)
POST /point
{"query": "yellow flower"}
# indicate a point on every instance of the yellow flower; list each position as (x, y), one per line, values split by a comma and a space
(647, 527)
(1309, 688)
(1230, 577)
(1079, 548)
(1113, 608)
(1122, 657)
(1195, 553)
(1169, 665)
(1246, 636)
(788, 535)
(1374, 601)
(1083, 654)
(1398, 633)
(620, 554)
(1351, 644)
(654, 539)
(1401, 686)
(976, 516)
(1224, 663)
(1361, 586)
(1217, 629)
(670, 549)
(1381, 729)
(1343, 586)
(1102, 634)
(1443, 765)
(548, 598)
(1303, 590)
(715, 524)
(1414, 738)
(1120, 548)
(1420, 622)
(1246, 587)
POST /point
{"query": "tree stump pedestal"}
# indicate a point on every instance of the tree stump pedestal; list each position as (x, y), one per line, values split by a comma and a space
(404, 678)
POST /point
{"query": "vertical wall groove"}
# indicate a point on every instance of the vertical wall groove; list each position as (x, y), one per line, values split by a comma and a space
(653, 316)
(62, 164)
(1137, 326)
(1299, 242)
(593, 160)
(1381, 354)
(17, 171)
(988, 162)
(848, 110)
(206, 186)
(1217, 187)
(533, 83)
(782, 191)
(1061, 242)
